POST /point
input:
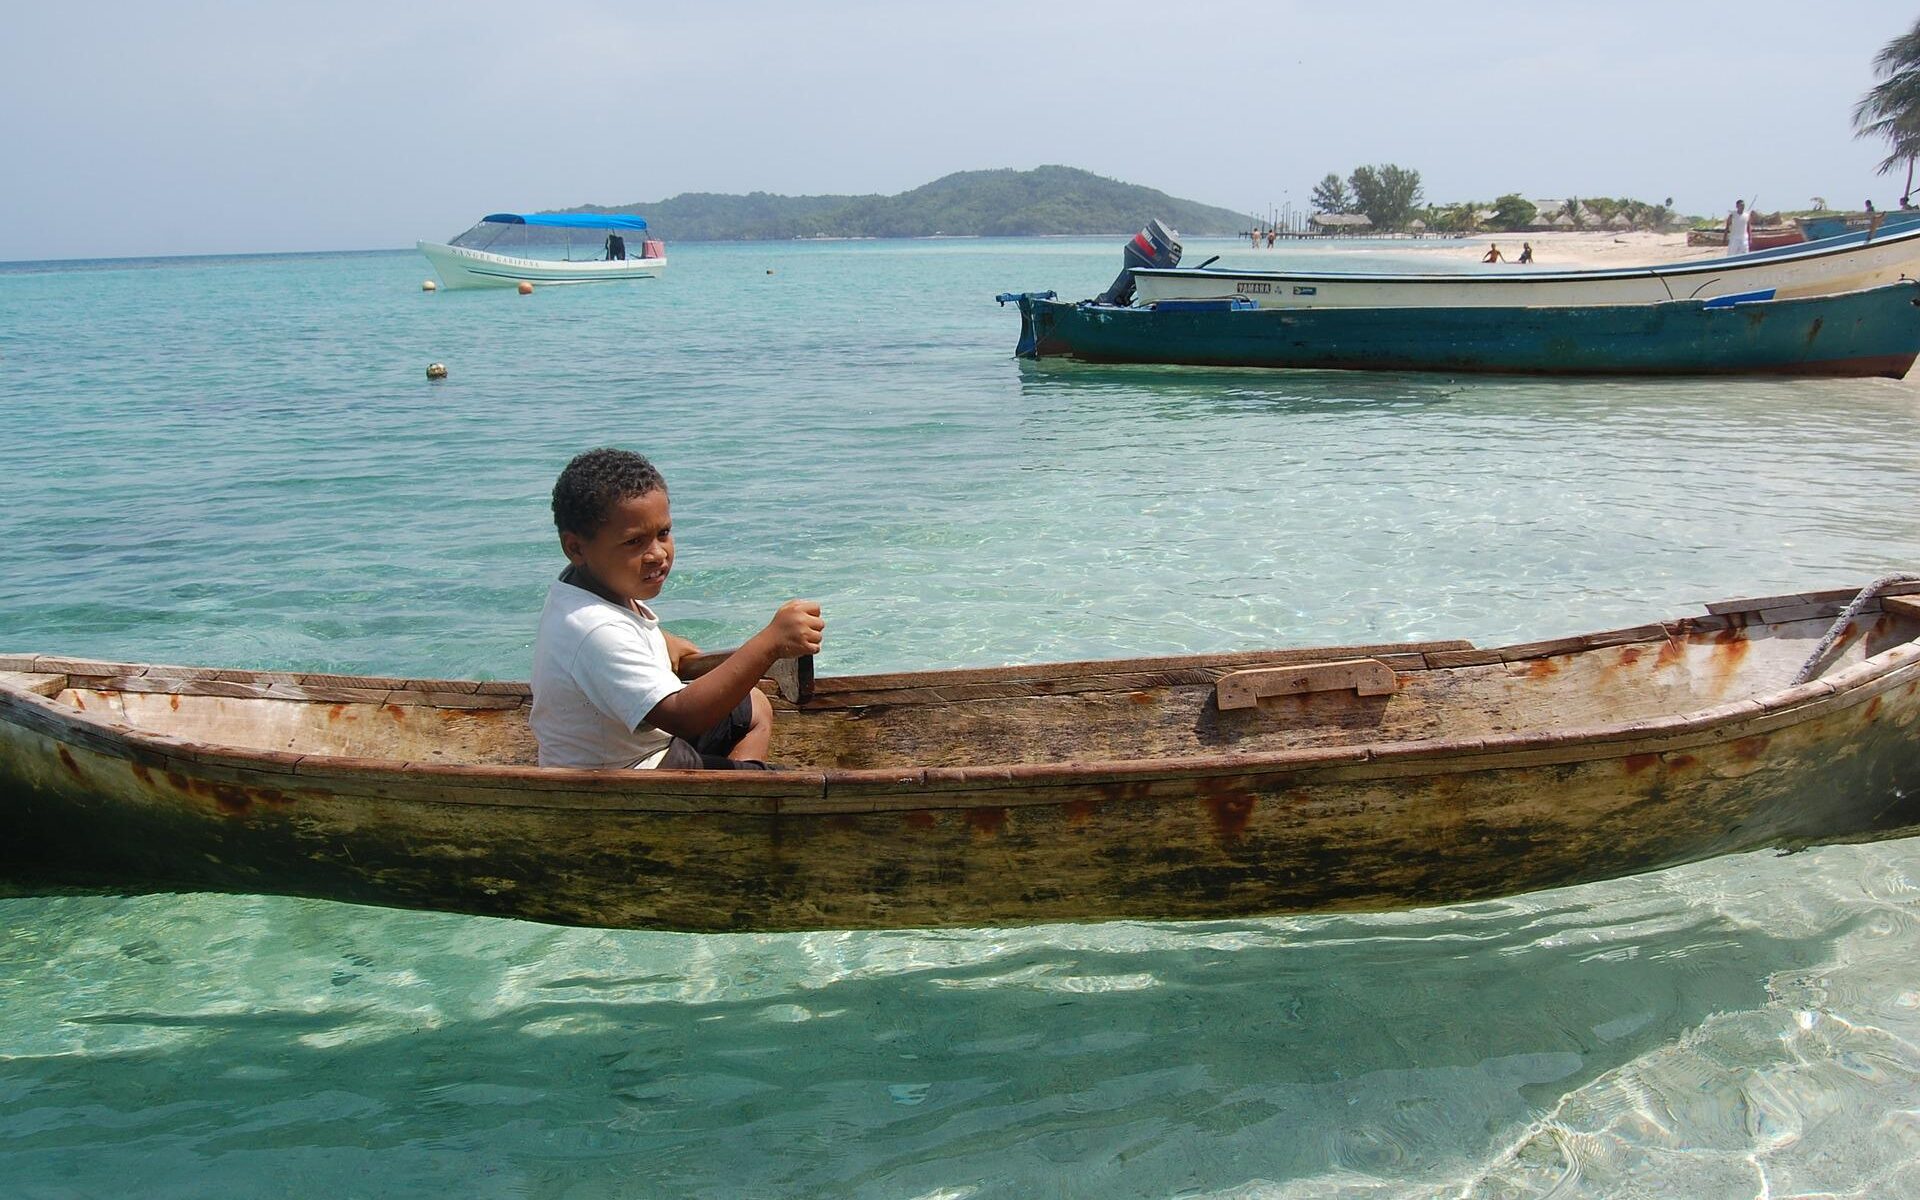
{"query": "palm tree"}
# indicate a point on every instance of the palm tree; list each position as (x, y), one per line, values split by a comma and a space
(1891, 108)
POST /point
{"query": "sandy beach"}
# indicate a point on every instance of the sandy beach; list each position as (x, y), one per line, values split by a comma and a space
(1593, 248)
(1562, 249)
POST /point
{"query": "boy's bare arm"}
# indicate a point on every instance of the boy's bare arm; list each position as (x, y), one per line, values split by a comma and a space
(794, 631)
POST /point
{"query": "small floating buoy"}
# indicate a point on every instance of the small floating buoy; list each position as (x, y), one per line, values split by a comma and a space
(429, 285)
(769, 270)
(436, 370)
(526, 289)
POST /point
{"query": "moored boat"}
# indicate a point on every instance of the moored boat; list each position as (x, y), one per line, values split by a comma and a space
(1360, 777)
(1842, 224)
(1865, 333)
(508, 249)
(1848, 263)
(1770, 237)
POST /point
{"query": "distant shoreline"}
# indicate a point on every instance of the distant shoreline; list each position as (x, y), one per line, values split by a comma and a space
(1562, 247)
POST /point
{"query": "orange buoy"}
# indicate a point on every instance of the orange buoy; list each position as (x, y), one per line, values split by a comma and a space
(526, 289)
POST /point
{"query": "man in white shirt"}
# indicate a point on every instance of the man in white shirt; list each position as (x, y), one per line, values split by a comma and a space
(605, 690)
(1739, 238)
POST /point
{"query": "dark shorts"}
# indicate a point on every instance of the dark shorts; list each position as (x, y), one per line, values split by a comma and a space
(709, 751)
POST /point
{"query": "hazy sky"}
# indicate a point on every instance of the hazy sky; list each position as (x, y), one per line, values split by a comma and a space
(193, 127)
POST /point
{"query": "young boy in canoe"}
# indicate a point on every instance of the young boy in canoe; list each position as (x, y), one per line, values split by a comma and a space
(605, 689)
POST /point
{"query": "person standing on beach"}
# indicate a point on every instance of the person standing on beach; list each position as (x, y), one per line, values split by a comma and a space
(1739, 239)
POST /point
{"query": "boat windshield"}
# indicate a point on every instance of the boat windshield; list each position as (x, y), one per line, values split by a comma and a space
(581, 237)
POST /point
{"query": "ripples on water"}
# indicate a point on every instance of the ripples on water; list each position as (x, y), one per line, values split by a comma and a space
(240, 462)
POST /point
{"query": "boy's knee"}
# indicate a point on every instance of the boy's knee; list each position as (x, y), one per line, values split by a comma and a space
(762, 709)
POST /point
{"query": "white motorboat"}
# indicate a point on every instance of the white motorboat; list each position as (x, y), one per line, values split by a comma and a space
(507, 249)
(1842, 264)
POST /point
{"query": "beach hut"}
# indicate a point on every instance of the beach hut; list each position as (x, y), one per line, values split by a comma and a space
(1336, 223)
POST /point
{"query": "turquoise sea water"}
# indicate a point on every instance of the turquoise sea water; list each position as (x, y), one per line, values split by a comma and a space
(240, 462)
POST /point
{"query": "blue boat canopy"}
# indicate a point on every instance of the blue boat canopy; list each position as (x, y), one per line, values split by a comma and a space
(568, 220)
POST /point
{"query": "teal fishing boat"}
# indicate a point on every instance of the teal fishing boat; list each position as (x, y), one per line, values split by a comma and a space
(1874, 331)
(1836, 225)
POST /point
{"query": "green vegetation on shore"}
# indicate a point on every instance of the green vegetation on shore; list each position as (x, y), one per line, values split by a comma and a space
(1003, 203)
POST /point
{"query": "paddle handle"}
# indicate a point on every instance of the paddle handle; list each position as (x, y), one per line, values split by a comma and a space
(793, 677)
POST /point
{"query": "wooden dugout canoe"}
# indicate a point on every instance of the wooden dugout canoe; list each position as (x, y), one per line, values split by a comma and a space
(1373, 777)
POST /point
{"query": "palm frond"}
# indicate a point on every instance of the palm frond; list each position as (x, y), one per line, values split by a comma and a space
(1900, 54)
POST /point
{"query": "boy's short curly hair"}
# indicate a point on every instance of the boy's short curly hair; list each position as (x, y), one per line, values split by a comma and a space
(594, 482)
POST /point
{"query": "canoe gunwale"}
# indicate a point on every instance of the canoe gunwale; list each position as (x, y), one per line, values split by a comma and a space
(1000, 785)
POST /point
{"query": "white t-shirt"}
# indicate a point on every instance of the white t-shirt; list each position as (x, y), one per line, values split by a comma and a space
(1738, 240)
(598, 670)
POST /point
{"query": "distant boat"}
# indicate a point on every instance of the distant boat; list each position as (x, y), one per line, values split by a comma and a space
(1875, 331)
(1768, 237)
(1844, 264)
(1214, 786)
(1841, 224)
(1761, 237)
(506, 249)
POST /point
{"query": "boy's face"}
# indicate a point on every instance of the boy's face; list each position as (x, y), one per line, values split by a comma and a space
(631, 553)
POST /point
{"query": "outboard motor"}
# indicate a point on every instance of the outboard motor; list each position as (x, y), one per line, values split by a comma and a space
(1154, 246)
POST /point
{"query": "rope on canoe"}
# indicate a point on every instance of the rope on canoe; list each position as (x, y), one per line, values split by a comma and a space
(1817, 659)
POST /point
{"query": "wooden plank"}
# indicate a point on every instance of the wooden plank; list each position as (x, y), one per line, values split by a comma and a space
(322, 694)
(453, 700)
(1903, 606)
(380, 683)
(1440, 660)
(1800, 612)
(1721, 608)
(55, 665)
(1547, 649)
(260, 679)
(35, 682)
(1243, 689)
(1692, 625)
(1633, 635)
(1221, 661)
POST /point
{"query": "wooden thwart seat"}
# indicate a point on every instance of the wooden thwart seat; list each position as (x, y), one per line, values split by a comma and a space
(1244, 689)
(38, 683)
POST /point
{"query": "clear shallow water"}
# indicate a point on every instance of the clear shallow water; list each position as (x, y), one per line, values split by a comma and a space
(240, 462)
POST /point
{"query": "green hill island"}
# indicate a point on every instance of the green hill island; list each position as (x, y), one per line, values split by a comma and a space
(1046, 201)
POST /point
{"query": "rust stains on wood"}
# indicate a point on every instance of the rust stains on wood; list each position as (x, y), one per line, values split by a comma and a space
(1230, 805)
(987, 821)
